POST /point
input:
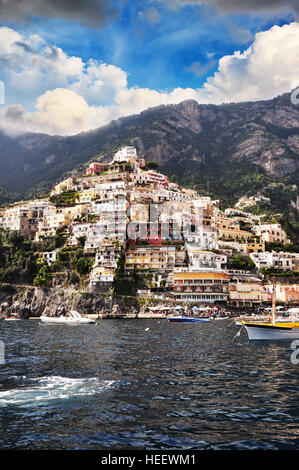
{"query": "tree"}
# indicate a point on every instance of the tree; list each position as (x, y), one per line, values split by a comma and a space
(43, 278)
(83, 266)
(150, 165)
(82, 241)
(241, 262)
(74, 278)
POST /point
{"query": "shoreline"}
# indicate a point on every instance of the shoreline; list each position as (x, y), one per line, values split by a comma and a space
(128, 316)
(30, 302)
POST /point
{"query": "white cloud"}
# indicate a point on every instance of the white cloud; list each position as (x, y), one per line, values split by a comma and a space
(62, 110)
(57, 112)
(100, 82)
(73, 96)
(266, 69)
(30, 67)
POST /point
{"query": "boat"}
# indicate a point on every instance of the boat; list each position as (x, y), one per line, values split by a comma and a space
(160, 312)
(265, 319)
(268, 331)
(182, 318)
(74, 319)
(14, 317)
(183, 315)
(272, 330)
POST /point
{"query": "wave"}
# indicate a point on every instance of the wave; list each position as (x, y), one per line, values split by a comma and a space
(43, 389)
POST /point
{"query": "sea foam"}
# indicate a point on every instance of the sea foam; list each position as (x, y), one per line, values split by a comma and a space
(41, 389)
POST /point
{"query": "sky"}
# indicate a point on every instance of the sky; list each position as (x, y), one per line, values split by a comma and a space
(72, 66)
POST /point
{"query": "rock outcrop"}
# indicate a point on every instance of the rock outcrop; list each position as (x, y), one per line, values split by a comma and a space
(28, 302)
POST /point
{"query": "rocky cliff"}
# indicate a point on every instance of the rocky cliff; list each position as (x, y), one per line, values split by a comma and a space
(25, 302)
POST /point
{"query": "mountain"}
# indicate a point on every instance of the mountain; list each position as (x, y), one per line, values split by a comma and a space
(6, 195)
(225, 150)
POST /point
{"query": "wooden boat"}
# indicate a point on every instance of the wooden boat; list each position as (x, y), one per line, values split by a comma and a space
(276, 332)
(272, 330)
(264, 319)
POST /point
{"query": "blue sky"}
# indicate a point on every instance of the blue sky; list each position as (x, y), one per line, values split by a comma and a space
(162, 46)
(158, 54)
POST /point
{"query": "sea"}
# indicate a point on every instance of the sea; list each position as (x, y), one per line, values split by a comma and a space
(145, 384)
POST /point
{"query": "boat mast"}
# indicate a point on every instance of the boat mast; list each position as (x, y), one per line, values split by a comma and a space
(273, 318)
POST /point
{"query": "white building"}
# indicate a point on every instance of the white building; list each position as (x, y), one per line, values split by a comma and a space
(124, 154)
(110, 188)
(49, 257)
(252, 201)
(282, 260)
(271, 233)
(203, 238)
(102, 274)
(205, 260)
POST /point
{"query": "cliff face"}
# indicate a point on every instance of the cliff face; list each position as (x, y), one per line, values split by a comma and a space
(28, 302)
(33, 302)
(187, 140)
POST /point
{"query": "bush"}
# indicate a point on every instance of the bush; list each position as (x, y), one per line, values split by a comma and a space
(74, 278)
(43, 278)
(150, 165)
(65, 198)
(83, 266)
(241, 262)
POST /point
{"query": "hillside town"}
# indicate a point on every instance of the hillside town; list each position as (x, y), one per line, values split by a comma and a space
(135, 227)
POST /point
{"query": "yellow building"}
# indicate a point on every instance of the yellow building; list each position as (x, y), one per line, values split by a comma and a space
(255, 246)
(245, 248)
(208, 287)
(157, 258)
(66, 185)
(247, 291)
(234, 234)
(226, 223)
(87, 195)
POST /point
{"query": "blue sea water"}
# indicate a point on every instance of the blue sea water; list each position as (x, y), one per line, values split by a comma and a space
(144, 384)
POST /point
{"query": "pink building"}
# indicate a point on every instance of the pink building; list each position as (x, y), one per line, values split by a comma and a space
(155, 177)
(95, 168)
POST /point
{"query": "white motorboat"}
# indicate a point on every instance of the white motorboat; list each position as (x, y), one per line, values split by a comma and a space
(74, 319)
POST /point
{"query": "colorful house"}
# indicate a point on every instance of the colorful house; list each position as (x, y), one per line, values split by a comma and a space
(208, 287)
(95, 168)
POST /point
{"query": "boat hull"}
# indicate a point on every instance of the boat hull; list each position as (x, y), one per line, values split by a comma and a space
(269, 332)
(278, 320)
(64, 321)
(187, 320)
